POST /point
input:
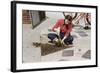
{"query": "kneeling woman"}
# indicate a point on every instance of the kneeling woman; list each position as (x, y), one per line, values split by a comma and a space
(63, 27)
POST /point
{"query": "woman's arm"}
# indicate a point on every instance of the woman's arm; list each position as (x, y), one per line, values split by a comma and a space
(69, 29)
(56, 25)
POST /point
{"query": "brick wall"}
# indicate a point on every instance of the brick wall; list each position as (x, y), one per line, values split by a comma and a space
(26, 18)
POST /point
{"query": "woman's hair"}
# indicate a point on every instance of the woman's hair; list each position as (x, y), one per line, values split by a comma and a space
(68, 17)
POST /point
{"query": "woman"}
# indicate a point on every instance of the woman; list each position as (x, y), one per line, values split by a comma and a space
(63, 27)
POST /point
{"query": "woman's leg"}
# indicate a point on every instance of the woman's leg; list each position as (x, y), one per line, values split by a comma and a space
(69, 40)
(52, 36)
(61, 35)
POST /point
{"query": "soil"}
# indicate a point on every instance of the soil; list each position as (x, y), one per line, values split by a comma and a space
(49, 48)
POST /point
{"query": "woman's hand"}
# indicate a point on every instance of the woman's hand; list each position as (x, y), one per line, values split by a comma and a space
(57, 30)
(62, 41)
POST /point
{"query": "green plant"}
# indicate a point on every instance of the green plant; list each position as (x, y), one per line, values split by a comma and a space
(59, 43)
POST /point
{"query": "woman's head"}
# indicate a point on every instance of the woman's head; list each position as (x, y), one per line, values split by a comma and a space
(68, 19)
